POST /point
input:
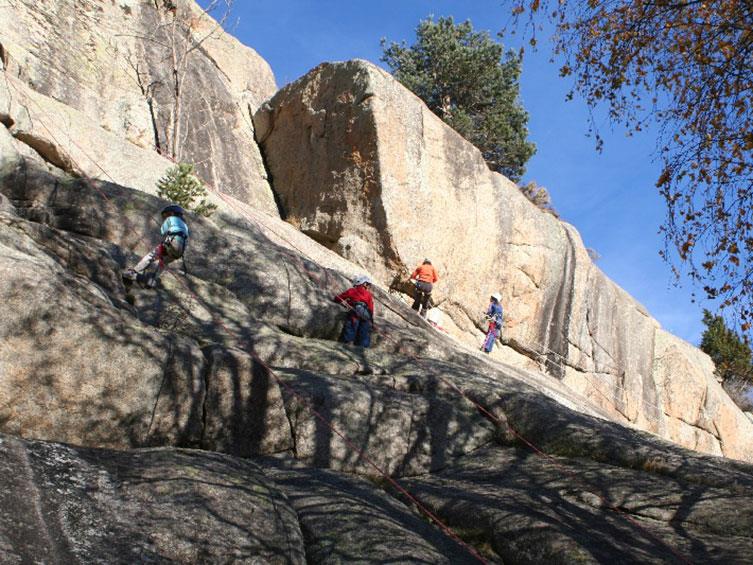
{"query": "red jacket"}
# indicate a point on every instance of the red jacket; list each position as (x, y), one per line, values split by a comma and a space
(426, 273)
(357, 294)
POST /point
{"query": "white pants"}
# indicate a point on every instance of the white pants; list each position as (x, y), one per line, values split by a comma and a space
(165, 253)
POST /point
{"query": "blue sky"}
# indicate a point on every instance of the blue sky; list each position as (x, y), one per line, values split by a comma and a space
(610, 197)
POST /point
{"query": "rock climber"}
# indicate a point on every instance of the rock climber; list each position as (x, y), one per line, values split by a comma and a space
(494, 316)
(423, 278)
(174, 239)
(360, 316)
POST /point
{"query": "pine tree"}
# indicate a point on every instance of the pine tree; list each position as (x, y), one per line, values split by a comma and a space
(467, 79)
(730, 353)
(182, 186)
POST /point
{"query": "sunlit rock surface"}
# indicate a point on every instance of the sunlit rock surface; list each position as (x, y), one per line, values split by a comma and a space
(364, 167)
(114, 63)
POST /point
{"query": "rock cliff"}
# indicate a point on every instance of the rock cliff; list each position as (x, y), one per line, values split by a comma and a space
(217, 418)
(381, 180)
(64, 504)
(239, 357)
(116, 63)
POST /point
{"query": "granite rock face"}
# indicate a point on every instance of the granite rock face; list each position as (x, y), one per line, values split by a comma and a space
(178, 369)
(239, 356)
(63, 504)
(362, 166)
(55, 133)
(114, 62)
(497, 495)
(345, 519)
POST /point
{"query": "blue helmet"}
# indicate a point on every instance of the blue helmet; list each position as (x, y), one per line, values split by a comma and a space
(173, 209)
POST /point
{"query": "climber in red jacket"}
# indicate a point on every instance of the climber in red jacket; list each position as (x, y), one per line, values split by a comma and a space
(423, 278)
(360, 315)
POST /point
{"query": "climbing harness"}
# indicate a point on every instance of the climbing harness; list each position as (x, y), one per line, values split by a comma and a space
(361, 310)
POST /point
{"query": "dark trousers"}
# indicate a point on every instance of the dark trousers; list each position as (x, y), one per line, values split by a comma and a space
(356, 331)
(421, 296)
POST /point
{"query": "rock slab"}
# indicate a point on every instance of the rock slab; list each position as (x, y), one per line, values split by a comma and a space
(71, 505)
(362, 166)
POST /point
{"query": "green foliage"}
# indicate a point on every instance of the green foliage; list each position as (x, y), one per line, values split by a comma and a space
(180, 185)
(468, 80)
(730, 353)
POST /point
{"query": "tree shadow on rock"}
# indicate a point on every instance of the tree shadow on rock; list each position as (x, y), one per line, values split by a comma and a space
(348, 519)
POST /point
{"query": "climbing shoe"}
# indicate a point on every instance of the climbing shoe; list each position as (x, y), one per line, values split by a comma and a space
(129, 276)
(146, 280)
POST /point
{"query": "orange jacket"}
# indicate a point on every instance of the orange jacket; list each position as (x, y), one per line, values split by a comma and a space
(425, 273)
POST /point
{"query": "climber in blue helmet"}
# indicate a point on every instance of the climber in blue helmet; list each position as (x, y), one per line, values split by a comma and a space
(174, 239)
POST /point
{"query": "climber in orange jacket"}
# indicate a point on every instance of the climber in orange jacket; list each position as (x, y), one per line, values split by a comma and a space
(423, 278)
(360, 315)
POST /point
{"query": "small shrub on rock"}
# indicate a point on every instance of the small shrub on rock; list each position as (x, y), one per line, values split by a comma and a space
(539, 196)
(181, 185)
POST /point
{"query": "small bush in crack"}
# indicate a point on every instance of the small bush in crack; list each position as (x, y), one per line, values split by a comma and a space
(181, 185)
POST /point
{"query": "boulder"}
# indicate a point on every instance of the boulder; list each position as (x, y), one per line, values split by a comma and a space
(250, 77)
(386, 430)
(362, 166)
(244, 410)
(255, 287)
(155, 382)
(69, 140)
(698, 408)
(58, 137)
(63, 504)
(57, 321)
(113, 62)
